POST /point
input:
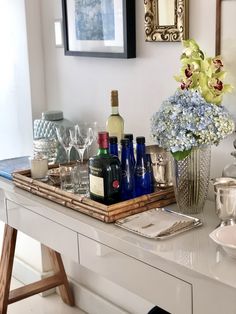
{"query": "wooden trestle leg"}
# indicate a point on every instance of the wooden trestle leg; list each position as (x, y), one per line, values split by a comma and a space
(6, 264)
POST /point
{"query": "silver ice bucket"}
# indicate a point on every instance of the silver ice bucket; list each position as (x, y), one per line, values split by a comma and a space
(225, 199)
(161, 165)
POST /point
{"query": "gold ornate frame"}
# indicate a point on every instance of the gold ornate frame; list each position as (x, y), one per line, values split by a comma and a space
(176, 32)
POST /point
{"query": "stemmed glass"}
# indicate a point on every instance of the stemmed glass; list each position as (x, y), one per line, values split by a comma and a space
(64, 138)
(82, 138)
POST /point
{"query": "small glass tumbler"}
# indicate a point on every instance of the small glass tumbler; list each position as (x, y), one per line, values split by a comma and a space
(81, 178)
(66, 176)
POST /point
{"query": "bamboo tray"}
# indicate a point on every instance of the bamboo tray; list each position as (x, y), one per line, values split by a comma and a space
(111, 213)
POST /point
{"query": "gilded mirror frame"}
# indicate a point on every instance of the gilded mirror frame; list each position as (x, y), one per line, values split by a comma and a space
(166, 33)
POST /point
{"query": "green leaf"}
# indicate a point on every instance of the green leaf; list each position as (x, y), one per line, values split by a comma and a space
(181, 155)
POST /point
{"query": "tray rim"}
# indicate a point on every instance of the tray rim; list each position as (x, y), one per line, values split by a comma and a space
(22, 179)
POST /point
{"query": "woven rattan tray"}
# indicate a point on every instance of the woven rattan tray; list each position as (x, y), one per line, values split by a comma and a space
(111, 213)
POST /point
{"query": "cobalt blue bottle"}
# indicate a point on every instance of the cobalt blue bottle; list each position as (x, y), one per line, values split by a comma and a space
(130, 137)
(142, 178)
(127, 170)
(113, 146)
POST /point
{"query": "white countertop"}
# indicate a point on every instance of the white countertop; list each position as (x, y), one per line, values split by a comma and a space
(186, 255)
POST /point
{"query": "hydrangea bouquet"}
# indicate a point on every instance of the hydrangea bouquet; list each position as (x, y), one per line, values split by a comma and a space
(194, 116)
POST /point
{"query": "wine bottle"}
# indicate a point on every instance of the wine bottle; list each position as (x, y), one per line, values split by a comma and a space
(113, 145)
(115, 123)
(127, 180)
(142, 178)
(104, 174)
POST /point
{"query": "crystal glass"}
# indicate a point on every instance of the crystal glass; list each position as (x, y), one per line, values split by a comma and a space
(64, 138)
(81, 178)
(191, 180)
(81, 138)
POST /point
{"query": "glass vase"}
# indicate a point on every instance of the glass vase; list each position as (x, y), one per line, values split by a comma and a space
(191, 179)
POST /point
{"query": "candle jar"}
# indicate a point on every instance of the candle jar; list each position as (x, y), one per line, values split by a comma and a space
(39, 167)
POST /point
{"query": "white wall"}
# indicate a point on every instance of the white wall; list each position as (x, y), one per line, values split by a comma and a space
(36, 57)
(15, 98)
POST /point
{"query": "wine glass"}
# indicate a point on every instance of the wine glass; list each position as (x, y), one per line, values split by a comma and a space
(82, 138)
(64, 138)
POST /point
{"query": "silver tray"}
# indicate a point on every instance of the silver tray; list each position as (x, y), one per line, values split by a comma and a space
(155, 220)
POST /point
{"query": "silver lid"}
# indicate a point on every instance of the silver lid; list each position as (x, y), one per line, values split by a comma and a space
(53, 115)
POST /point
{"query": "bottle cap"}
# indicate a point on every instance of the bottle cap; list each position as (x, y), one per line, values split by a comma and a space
(129, 137)
(114, 98)
(124, 142)
(140, 140)
(113, 140)
(103, 139)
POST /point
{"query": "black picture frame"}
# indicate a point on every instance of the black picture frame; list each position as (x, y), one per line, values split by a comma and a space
(127, 39)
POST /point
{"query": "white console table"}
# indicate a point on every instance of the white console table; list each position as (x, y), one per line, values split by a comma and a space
(187, 274)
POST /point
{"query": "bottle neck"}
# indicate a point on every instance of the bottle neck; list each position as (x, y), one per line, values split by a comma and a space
(113, 148)
(140, 152)
(125, 152)
(115, 110)
(102, 151)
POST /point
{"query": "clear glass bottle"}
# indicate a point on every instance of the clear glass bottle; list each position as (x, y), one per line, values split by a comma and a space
(127, 180)
(130, 138)
(142, 178)
(115, 123)
(113, 145)
(104, 174)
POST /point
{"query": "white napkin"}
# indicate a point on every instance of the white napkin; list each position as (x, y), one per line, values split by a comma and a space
(156, 223)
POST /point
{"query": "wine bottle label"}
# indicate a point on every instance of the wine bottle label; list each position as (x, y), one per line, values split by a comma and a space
(96, 185)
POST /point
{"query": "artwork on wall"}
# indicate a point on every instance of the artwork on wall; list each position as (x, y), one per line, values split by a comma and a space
(99, 28)
(166, 20)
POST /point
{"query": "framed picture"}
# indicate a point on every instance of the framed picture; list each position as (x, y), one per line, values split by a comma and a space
(99, 28)
(166, 20)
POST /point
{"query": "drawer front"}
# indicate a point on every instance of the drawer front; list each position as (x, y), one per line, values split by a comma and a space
(46, 231)
(168, 292)
(3, 214)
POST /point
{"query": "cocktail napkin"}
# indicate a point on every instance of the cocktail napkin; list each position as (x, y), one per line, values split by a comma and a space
(158, 223)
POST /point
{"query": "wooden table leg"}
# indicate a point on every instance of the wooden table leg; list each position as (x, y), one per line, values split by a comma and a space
(58, 267)
(6, 264)
(59, 279)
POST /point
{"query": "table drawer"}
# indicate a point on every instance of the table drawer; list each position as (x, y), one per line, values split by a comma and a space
(46, 231)
(168, 292)
(3, 214)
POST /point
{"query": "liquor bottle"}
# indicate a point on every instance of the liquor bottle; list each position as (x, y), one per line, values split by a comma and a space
(142, 178)
(104, 174)
(115, 123)
(130, 137)
(127, 180)
(113, 146)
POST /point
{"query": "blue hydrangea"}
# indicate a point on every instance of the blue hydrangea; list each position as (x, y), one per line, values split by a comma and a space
(186, 120)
